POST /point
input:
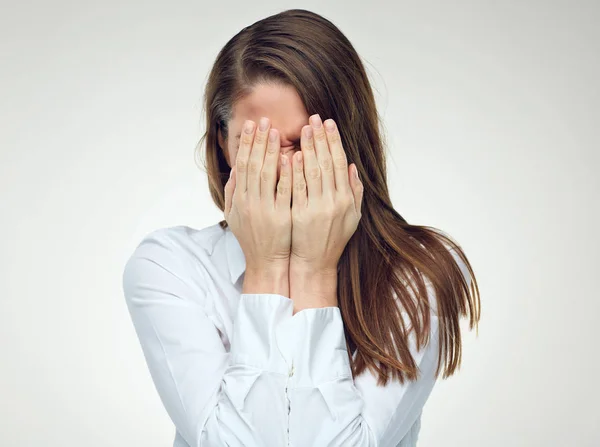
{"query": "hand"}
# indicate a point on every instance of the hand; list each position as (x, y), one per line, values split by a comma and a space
(260, 217)
(327, 200)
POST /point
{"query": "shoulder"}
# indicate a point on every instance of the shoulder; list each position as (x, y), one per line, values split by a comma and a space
(181, 251)
(180, 240)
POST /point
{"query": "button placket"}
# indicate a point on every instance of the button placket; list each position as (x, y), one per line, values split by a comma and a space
(287, 385)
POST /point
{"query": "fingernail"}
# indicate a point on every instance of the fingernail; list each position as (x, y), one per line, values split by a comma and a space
(308, 132)
(249, 126)
(329, 125)
(263, 123)
(272, 135)
(315, 120)
(284, 160)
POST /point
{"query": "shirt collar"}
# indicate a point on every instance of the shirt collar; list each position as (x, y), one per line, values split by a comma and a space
(235, 256)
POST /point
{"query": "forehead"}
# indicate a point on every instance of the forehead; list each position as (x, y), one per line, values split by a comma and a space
(280, 103)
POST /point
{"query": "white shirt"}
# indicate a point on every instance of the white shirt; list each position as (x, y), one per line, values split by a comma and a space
(237, 369)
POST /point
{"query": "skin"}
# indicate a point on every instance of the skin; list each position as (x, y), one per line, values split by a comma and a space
(293, 211)
(284, 108)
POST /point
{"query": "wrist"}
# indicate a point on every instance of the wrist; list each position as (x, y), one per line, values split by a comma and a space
(310, 269)
(271, 279)
(310, 288)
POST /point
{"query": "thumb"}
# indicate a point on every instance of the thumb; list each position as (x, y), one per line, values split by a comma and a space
(229, 189)
(357, 188)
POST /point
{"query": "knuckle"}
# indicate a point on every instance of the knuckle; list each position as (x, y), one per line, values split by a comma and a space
(326, 164)
(299, 185)
(320, 136)
(314, 172)
(334, 138)
(308, 145)
(247, 138)
(266, 175)
(284, 179)
(260, 138)
(340, 161)
(241, 165)
(253, 167)
(283, 188)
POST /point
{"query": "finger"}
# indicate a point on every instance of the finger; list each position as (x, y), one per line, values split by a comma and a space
(270, 168)
(312, 171)
(229, 188)
(243, 155)
(323, 155)
(357, 189)
(257, 157)
(284, 186)
(299, 182)
(338, 155)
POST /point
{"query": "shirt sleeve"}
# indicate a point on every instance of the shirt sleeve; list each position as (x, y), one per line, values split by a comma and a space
(214, 397)
(327, 407)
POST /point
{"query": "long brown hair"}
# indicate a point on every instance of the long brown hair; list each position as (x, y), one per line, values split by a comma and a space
(388, 264)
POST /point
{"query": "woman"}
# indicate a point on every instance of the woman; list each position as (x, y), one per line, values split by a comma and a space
(314, 314)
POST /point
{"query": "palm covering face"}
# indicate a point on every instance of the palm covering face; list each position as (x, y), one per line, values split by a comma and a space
(327, 198)
(257, 205)
(308, 223)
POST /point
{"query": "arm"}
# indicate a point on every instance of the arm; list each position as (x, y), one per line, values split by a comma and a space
(214, 397)
(328, 406)
(349, 412)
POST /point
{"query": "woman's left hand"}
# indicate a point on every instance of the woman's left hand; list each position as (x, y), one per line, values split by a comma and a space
(327, 198)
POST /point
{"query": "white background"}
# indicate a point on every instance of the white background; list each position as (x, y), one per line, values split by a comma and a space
(491, 111)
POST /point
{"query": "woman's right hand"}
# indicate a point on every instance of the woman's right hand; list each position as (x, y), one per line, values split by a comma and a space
(259, 214)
